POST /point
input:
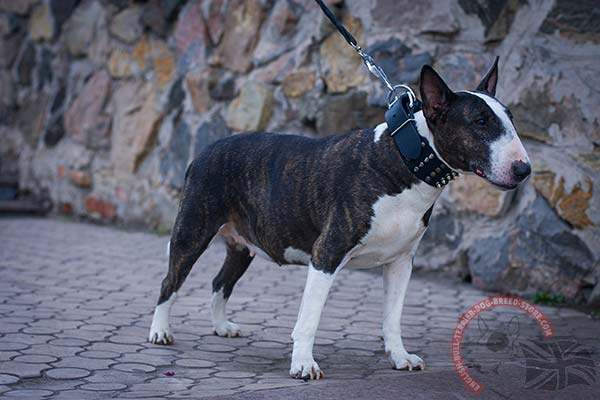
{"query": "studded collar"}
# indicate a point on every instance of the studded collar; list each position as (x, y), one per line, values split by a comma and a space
(416, 152)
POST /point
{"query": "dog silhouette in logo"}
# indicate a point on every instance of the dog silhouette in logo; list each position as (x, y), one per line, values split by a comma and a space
(501, 340)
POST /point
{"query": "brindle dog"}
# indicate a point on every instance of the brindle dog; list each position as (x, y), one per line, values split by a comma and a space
(340, 201)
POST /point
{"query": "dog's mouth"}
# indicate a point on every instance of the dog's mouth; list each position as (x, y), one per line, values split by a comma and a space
(500, 185)
(479, 172)
(504, 186)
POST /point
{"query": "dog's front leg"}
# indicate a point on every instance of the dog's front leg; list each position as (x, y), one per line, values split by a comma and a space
(395, 281)
(317, 287)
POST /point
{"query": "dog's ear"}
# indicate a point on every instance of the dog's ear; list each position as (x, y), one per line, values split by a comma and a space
(436, 95)
(489, 81)
(482, 325)
(513, 326)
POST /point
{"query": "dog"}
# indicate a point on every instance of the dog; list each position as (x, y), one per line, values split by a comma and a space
(342, 201)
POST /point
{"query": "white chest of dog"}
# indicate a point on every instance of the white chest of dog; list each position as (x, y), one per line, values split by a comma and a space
(396, 227)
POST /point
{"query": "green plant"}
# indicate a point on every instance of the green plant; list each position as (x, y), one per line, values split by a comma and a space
(548, 299)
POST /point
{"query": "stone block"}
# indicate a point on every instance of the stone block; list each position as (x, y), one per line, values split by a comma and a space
(86, 120)
(197, 83)
(99, 208)
(85, 31)
(252, 109)
(41, 23)
(119, 63)
(236, 49)
(20, 7)
(297, 83)
(81, 179)
(209, 132)
(277, 34)
(474, 194)
(190, 27)
(539, 254)
(135, 125)
(126, 24)
(571, 205)
(342, 66)
(163, 62)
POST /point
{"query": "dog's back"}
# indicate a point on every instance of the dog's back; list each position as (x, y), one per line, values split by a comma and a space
(263, 184)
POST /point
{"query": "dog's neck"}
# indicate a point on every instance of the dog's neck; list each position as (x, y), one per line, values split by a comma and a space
(421, 124)
(424, 131)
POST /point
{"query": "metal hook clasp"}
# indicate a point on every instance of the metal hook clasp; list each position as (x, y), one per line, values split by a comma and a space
(407, 89)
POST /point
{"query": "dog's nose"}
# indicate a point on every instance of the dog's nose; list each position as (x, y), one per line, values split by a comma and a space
(521, 170)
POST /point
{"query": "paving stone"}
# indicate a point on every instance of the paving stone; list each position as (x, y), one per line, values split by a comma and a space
(67, 373)
(123, 339)
(78, 394)
(35, 359)
(6, 346)
(113, 376)
(235, 374)
(98, 327)
(8, 355)
(6, 379)
(253, 360)
(114, 347)
(140, 394)
(26, 339)
(218, 348)
(99, 354)
(194, 363)
(221, 383)
(133, 367)
(172, 387)
(160, 352)
(22, 370)
(69, 342)
(269, 345)
(102, 387)
(91, 364)
(28, 394)
(41, 330)
(203, 355)
(146, 359)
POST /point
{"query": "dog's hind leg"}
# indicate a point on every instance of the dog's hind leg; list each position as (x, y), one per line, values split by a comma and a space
(187, 244)
(236, 263)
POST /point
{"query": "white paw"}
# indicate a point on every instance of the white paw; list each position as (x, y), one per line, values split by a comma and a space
(227, 329)
(404, 360)
(306, 369)
(160, 335)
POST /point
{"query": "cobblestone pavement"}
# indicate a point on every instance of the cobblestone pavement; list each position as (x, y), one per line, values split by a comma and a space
(76, 302)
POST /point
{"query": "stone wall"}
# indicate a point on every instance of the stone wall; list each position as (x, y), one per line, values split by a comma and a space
(104, 103)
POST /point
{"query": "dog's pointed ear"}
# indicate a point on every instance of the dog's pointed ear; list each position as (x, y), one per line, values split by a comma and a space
(514, 327)
(490, 80)
(482, 325)
(436, 95)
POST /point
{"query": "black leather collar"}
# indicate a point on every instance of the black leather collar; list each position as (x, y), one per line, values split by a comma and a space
(415, 150)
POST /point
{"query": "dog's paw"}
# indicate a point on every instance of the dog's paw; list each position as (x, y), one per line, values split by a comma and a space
(404, 360)
(227, 329)
(160, 336)
(306, 369)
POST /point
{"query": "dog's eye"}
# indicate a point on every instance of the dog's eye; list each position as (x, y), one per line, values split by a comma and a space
(480, 121)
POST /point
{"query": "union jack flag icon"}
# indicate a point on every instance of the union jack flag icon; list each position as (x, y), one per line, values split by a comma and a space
(554, 364)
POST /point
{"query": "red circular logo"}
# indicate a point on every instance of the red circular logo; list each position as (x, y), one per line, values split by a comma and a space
(487, 304)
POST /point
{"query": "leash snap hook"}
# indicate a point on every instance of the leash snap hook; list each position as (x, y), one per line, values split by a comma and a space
(411, 95)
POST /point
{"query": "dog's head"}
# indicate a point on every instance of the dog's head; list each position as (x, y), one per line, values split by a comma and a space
(472, 131)
(502, 338)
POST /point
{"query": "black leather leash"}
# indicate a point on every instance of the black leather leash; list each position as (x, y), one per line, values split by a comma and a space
(416, 152)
